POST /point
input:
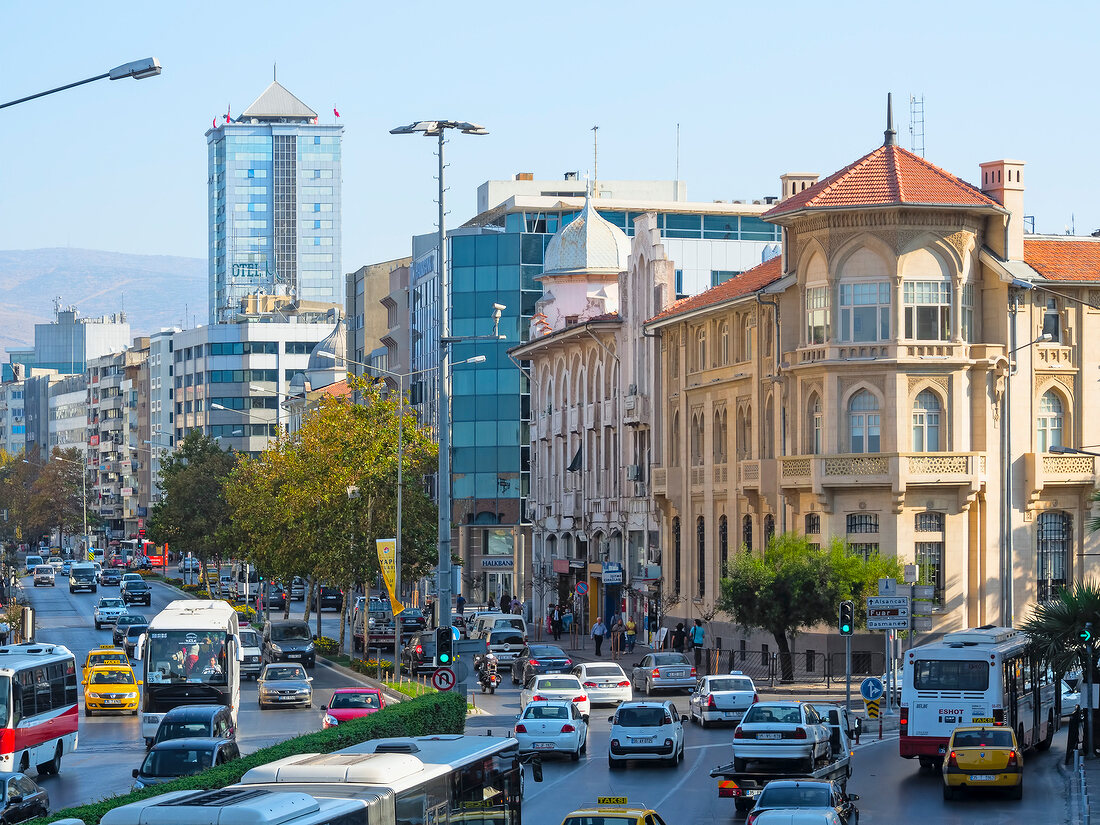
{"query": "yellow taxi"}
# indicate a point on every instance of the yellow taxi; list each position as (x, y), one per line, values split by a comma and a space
(105, 655)
(111, 688)
(613, 810)
(983, 757)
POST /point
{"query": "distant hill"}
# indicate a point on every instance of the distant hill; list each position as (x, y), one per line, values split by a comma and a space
(154, 290)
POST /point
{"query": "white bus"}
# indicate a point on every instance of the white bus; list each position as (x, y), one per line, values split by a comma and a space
(38, 706)
(190, 655)
(473, 780)
(981, 676)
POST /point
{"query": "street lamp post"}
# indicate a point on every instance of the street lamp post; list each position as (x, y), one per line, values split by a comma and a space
(83, 485)
(438, 129)
(138, 70)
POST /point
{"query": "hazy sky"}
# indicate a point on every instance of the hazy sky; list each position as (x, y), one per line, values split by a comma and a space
(758, 89)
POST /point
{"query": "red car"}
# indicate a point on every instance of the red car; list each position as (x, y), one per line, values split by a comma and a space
(351, 703)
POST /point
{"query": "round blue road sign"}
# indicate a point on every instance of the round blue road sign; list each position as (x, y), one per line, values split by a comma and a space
(871, 688)
(582, 589)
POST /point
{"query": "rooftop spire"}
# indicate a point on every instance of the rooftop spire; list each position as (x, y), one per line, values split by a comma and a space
(890, 134)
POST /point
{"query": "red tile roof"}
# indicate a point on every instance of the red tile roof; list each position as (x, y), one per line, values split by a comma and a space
(339, 389)
(744, 284)
(889, 175)
(1064, 259)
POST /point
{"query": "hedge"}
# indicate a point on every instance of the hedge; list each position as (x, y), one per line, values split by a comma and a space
(433, 714)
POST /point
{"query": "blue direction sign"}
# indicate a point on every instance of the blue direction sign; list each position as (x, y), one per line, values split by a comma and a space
(871, 688)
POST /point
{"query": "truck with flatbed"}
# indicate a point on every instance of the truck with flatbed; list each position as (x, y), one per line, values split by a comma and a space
(743, 786)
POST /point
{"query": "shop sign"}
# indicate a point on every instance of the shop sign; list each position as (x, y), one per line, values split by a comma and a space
(576, 564)
(561, 565)
(487, 562)
(612, 573)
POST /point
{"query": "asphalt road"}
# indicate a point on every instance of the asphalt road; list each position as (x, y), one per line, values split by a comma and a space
(109, 747)
(891, 789)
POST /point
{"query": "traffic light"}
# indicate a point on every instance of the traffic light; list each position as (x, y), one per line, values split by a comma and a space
(847, 618)
(1085, 636)
(444, 647)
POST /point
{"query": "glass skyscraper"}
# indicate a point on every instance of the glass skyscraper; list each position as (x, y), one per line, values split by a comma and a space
(274, 188)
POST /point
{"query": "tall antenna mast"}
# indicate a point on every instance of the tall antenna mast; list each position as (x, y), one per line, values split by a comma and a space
(916, 124)
(595, 156)
(677, 152)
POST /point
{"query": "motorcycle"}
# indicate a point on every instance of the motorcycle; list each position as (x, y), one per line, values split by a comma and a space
(487, 676)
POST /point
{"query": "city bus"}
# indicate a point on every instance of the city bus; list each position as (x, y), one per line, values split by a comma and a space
(38, 706)
(130, 549)
(981, 676)
(444, 780)
(190, 655)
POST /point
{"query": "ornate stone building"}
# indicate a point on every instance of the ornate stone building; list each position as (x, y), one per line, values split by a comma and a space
(592, 370)
(911, 375)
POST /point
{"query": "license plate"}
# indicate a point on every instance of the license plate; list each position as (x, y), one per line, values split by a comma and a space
(982, 778)
(648, 740)
(113, 702)
(608, 685)
(544, 746)
(674, 674)
(769, 736)
(287, 698)
(729, 714)
(555, 670)
(294, 655)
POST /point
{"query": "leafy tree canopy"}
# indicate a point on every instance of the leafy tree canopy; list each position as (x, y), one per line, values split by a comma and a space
(1053, 626)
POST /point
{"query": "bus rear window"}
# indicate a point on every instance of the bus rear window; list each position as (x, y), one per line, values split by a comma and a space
(958, 674)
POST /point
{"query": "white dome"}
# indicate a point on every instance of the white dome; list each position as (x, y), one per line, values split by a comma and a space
(588, 244)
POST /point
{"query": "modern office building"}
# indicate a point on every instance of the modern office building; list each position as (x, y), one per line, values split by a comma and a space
(66, 344)
(160, 391)
(13, 424)
(274, 205)
(497, 258)
(55, 412)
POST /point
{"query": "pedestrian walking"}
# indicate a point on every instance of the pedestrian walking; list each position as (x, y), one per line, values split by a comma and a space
(1073, 738)
(491, 603)
(679, 638)
(556, 624)
(460, 604)
(516, 605)
(618, 630)
(630, 634)
(698, 634)
(599, 630)
(505, 602)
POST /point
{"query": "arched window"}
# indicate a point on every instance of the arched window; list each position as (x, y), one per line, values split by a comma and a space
(719, 437)
(746, 532)
(674, 442)
(863, 423)
(1055, 531)
(1050, 422)
(724, 342)
(676, 554)
(673, 356)
(814, 430)
(769, 528)
(744, 433)
(926, 423)
(813, 524)
(700, 349)
(696, 440)
(701, 555)
(723, 545)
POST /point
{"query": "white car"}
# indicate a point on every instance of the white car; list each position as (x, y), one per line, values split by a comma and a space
(652, 731)
(1071, 698)
(552, 725)
(44, 575)
(555, 687)
(108, 610)
(98, 570)
(781, 732)
(605, 682)
(721, 699)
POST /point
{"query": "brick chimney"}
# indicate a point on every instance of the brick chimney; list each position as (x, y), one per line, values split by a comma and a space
(1003, 180)
(794, 182)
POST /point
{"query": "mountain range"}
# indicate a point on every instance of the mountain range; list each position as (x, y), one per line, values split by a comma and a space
(154, 291)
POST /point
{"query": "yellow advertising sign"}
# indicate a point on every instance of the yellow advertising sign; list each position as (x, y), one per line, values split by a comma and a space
(387, 560)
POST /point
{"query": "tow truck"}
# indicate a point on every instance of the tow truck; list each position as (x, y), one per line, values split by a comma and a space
(744, 786)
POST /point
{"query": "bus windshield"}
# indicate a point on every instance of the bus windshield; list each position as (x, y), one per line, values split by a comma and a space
(951, 674)
(174, 656)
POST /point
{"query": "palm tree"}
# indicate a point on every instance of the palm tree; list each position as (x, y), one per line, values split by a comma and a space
(1054, 626)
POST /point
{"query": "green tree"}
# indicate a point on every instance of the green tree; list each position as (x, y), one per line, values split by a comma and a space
(193, 516)
(1053, 626)
(56, 495)
(794, 586)
(292, 509)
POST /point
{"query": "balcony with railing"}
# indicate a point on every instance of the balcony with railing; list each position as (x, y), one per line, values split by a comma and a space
(1043, 470)
(896, 470)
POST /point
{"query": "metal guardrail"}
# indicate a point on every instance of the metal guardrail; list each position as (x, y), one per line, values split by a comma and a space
(808, 667)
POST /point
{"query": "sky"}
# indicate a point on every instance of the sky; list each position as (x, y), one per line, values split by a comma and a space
(757, 90)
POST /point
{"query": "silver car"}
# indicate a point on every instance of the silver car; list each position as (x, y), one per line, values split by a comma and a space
(285, 684)
(663, 671)
(722, 699)
(781, 732)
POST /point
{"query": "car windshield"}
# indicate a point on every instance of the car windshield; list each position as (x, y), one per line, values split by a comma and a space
(250, 638)
(112, 677)
(135, 630)
(107, 659)
(180, 730)
(546, 712)
(185, 656)
(640, 717)
(283, 673)
(770, 714)
(983, 739)
(730, 684)
(548, 651)
(43, 568)
(557, 683)
(355, 701)
(290, 633)
(804, 796)
(110, 603)
(132, 618)
(136, 585)
(670, 659)
(603, 670)
(176, 762)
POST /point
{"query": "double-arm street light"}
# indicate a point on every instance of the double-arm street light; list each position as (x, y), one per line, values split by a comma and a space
(438, 129)
(476, 359)
(137, 69)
